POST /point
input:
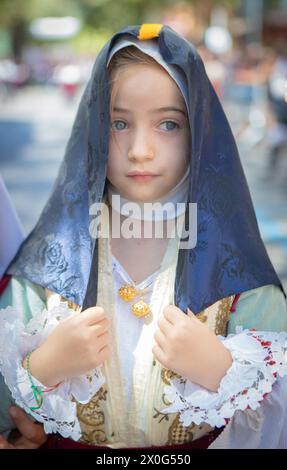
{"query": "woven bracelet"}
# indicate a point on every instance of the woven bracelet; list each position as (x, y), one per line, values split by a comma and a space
(37, 391)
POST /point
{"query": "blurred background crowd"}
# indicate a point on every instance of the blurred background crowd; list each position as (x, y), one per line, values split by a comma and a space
(47, 50)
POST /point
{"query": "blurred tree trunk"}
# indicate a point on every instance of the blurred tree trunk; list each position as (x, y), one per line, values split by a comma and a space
(18, 38)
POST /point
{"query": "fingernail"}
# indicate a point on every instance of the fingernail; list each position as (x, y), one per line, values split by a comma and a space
(13, 411)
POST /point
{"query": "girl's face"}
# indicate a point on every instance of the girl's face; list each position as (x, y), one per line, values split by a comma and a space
(149, 133)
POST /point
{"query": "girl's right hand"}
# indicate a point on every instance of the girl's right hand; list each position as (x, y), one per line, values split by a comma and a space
(76, 346)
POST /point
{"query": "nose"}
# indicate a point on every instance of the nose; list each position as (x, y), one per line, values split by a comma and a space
(141, 147)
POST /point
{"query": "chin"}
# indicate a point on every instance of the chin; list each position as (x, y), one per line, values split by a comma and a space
(141, 197)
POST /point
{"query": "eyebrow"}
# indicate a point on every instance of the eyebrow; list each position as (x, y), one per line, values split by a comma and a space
(153, 111)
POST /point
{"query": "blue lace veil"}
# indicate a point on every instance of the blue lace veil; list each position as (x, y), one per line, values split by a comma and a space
(229, 257)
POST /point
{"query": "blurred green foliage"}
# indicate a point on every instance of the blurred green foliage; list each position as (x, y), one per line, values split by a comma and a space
(111, 14)
(100, 18)
(90, 41)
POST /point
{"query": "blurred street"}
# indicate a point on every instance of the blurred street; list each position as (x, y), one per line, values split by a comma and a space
(269, 195)
(35, 124)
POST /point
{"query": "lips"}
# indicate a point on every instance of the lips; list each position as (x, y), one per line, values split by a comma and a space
(141, 173)
(141, 176)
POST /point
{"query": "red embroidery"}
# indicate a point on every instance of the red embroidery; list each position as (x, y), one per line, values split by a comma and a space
(266, 343)
(233, 306)
(4, 283)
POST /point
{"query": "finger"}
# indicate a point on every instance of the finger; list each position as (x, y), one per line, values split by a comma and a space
(190, 313)
(165, 325)
(173, 314)
(23, 443)
(101, 327)
(4, 444)
(103, 341)
(193, 317)
(31, 431)
(159, 355)
(93, 315)
(161, 340)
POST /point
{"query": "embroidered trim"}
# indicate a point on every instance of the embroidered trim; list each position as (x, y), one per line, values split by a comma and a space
(222, 316)
(257, 360)
(58, 412)
(234, 304)
(4, 283)
(92, 419)
(216, 318)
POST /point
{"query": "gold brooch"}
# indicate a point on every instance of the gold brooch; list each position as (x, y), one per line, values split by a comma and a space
(128, 293)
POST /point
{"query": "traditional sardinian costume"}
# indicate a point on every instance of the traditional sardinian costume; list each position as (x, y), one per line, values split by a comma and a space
(227, 280)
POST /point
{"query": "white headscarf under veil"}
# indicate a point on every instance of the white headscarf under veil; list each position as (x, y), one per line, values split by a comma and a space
(11, 233)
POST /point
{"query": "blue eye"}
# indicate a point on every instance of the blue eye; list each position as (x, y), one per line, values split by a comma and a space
(169, 125)
(119, 125)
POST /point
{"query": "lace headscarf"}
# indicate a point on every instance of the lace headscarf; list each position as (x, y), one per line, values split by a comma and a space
(229, 256)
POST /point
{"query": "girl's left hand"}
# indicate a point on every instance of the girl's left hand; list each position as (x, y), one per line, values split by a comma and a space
(187, 347)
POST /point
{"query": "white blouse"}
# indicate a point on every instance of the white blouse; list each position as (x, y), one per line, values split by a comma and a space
(128, 326)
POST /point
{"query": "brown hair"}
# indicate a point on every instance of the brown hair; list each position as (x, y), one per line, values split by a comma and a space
(122, 59)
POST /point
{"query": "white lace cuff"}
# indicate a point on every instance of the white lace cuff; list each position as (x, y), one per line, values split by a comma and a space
(59, 411)
(258, 357)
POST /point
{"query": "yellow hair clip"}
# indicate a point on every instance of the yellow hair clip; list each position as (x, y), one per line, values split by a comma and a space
(149, 31)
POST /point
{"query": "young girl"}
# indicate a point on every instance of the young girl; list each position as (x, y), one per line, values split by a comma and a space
(178, 344)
